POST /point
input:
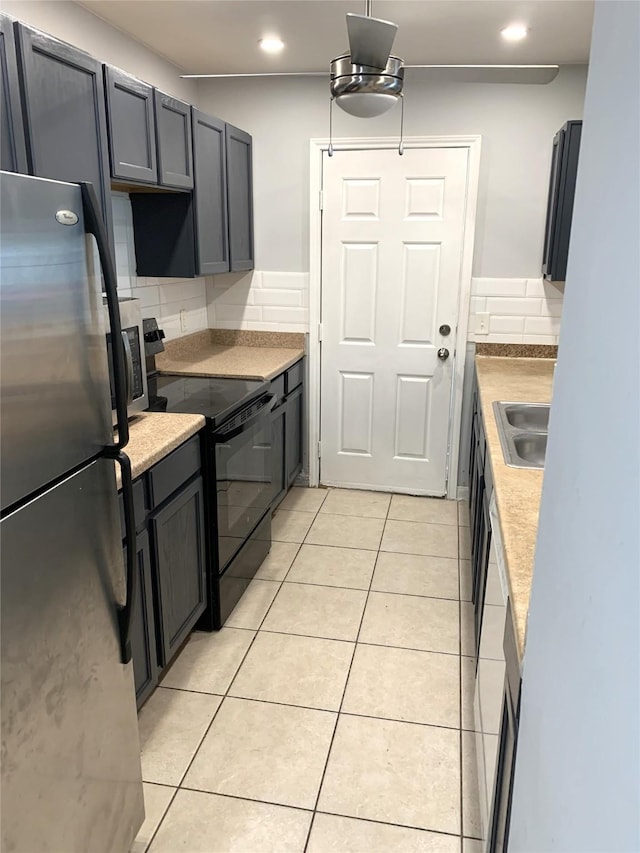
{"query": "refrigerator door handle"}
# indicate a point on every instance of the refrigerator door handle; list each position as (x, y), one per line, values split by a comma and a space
(95, 225)
(125, 611)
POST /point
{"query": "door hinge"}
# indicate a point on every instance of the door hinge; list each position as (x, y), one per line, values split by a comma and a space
(319, 331)
(319, 449)
(321, 199)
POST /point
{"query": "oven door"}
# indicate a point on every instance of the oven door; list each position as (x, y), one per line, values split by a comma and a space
(243, 480)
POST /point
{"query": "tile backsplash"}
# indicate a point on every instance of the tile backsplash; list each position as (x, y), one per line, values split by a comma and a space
(180, 305)
(516, 310)
(259, 300)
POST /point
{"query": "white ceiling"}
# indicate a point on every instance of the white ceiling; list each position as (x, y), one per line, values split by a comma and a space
(218, 36)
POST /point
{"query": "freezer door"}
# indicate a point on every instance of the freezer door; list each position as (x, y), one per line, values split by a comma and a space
(71, 777)
(54, 395)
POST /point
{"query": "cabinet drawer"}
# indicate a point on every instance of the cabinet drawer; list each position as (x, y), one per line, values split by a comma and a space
(172, 472)
(277, 387)
(139, 506)
(294, 376)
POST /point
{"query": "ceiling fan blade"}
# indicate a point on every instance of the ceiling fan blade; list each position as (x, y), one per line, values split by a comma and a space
(370, 40)
(256, 74)
(534, 74)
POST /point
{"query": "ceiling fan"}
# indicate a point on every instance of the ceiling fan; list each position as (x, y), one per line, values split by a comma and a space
(368, 80)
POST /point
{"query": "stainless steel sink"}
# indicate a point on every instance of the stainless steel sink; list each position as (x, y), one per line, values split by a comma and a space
(523, 429)
(532, 417)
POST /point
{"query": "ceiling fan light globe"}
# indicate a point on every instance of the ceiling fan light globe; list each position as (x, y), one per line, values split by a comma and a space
(366, 104)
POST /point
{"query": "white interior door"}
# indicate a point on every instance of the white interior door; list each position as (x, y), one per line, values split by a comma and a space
(392, 241)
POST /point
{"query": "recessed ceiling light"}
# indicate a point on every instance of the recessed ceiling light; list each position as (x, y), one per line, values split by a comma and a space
(514, 32)
(271, 45)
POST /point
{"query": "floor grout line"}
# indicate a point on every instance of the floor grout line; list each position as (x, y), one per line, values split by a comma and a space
(369, 589)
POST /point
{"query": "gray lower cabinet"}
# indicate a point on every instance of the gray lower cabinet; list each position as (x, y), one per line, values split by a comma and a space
(210, 194)
(173, 132)
(143, 631)
(132, 127)
(293, 443)
(13, 154)
(287, 438)
(170, 560)
(507, 745)
(64, 113)
(178, 545)
(280, 484)
(240, 198)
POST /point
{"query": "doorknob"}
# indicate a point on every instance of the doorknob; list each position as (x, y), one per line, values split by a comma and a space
(445, 329)
(443, 353)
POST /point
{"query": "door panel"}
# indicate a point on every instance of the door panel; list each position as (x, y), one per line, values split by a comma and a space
(71, 777)
(412, 417)
(392, 239)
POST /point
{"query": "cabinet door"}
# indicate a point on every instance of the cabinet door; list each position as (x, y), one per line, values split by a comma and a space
(65, 120)
(293, 435)
(173, 129)
(240, 198)
(177, 531)
(13, 154)
(210, 193)
(132, 127)
(143, 632)
(278, 422)
(499, 832)
(480, 563)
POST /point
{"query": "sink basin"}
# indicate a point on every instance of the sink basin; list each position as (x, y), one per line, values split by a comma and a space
(531, 447)
(523, 429)
(532, 417)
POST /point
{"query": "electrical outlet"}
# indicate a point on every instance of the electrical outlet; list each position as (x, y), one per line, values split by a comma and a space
(482, 324)
(183, 320)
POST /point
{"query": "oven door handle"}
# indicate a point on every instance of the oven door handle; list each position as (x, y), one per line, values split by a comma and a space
(224, 437)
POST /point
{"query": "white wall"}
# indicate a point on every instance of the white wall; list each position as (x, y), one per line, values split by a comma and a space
(577, 777)
(179, 305)
(76, 25)
(517, 124)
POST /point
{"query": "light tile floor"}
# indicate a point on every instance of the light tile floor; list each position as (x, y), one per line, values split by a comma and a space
(334, 712)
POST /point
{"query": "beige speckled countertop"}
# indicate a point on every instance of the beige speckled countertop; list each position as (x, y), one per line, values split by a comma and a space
(248, 355)
(153, 435)
(517, 490)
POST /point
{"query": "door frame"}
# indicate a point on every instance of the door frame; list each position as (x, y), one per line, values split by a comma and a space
(317, 148)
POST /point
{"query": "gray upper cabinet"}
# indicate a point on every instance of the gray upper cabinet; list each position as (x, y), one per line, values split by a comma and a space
(64, 113)
(240, 198)
(132, 127)
(210, 194)
(13, 154)
(175, 153)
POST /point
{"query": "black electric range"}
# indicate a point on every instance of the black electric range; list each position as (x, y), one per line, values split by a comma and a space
(215, 398)
(238, 477)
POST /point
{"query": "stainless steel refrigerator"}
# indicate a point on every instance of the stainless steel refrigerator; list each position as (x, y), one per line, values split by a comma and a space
(71, 777)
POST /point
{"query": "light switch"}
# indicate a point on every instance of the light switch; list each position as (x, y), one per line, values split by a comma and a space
(482, 324)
